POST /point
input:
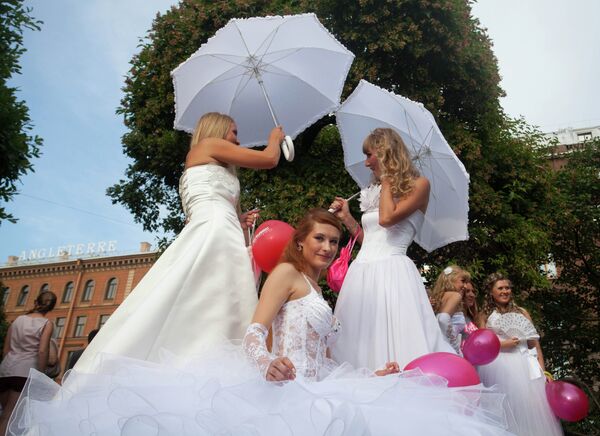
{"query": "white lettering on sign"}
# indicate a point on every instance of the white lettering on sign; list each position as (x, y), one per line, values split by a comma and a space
(88, 249)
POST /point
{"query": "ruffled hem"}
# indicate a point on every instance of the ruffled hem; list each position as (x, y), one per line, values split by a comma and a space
(222, 394)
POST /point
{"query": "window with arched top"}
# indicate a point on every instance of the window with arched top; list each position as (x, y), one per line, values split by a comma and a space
(68, 292)
(23, 296)
(88, 291)
(5, 294)
(111, 289)
(45, 288)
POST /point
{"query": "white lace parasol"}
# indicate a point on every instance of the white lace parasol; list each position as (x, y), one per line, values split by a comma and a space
(514, 324)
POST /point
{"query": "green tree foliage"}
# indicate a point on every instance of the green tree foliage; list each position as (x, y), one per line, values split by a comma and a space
(571, 308)
(17, 146)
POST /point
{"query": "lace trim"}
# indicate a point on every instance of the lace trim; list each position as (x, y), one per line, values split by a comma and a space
(254, 345)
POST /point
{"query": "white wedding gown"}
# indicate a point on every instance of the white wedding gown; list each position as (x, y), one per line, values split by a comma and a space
(223, 392)
(516, 372)
(383, 305)
(200, 291)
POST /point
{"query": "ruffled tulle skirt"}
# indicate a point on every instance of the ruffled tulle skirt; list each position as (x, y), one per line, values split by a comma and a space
(510, 373)
(220, 393)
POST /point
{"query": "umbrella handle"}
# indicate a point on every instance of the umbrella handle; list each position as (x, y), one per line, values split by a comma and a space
(287, 146)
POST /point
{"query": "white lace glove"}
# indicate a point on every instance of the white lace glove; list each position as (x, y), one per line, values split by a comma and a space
(255, 347)
(445, 322)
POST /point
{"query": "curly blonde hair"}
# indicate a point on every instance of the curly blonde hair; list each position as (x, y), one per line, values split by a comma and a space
(445, 283)
(211, 125)
(394, 159)
(489, 304)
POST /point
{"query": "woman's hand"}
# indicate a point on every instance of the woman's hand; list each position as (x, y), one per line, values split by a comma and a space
(390, 368)
(508, 344)
(276, 136)
(340, 209)
(281, 369)
(247, 219)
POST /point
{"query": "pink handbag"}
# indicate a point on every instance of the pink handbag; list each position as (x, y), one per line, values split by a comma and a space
(338, 269)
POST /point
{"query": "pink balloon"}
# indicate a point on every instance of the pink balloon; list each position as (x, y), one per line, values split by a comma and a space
(270, 239)
(481, 347)
(567, 401)
(455, 369)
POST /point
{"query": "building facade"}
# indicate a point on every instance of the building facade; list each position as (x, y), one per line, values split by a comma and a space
(568, 140)
(88, 291)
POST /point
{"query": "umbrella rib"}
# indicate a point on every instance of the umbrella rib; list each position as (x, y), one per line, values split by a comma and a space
(242, 38)
(298, 78)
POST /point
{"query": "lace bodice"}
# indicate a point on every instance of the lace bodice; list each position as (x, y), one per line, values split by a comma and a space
(203, 187)
(302, 331)
(381, 242)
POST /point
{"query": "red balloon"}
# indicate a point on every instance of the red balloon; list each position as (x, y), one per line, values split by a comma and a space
(455, 369)
(567, 401)
(270, 239)
(481, 347)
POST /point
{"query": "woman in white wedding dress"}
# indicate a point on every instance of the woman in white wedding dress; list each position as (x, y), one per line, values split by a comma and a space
(518, 370)
(201, 289)
(295, 389)
(383, 304)
(447, 300)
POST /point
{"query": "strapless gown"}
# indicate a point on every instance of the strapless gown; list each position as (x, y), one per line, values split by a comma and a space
(383, 305)
(223, 392)
(201, 289)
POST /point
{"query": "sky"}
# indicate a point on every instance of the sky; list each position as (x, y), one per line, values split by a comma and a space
(548, 54)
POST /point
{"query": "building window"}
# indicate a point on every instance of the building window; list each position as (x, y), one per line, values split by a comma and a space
(59, 325)
(23, 296)
(5, 293)
(111, 289)
(582, 137)
(68, 293)
(103, 319)
(88, 291)
(45, 288)
(80, 326)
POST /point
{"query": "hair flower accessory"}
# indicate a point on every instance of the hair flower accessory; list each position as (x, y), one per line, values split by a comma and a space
(447, 270)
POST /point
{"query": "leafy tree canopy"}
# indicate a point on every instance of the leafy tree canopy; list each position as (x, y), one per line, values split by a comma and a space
(17, 146)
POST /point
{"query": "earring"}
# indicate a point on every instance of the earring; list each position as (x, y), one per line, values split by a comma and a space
(299, 247)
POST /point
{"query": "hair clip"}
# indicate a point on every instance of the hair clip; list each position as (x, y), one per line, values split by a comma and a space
(447, 270)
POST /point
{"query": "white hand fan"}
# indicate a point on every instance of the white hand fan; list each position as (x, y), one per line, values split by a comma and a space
(514, 324)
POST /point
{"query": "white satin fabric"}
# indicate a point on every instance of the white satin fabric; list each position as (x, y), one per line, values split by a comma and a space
(383, 305)
(201, 289)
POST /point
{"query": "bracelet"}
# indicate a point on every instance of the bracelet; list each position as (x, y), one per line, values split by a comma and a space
(355, 229)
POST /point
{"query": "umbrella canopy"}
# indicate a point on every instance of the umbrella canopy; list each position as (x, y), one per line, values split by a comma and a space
(369, 107)
(287, 69)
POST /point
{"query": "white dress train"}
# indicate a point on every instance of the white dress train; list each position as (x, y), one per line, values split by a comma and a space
(223, 392)
(200, 291)
(383, 305)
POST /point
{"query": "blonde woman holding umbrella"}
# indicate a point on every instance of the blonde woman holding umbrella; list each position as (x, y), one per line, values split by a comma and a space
(383, 304)
(203, 283)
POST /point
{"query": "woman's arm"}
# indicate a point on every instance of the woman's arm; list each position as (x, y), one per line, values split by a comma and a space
(6, 347)
(226, 152)
(536, 343)
(450, 302)
(276, 291)
(391, 212)
(44, 348)
(342, 212)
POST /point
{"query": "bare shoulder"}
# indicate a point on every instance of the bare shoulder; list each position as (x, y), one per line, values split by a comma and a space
(422, 184)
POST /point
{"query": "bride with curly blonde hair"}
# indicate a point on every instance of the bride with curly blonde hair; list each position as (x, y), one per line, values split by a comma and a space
(383, 304)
